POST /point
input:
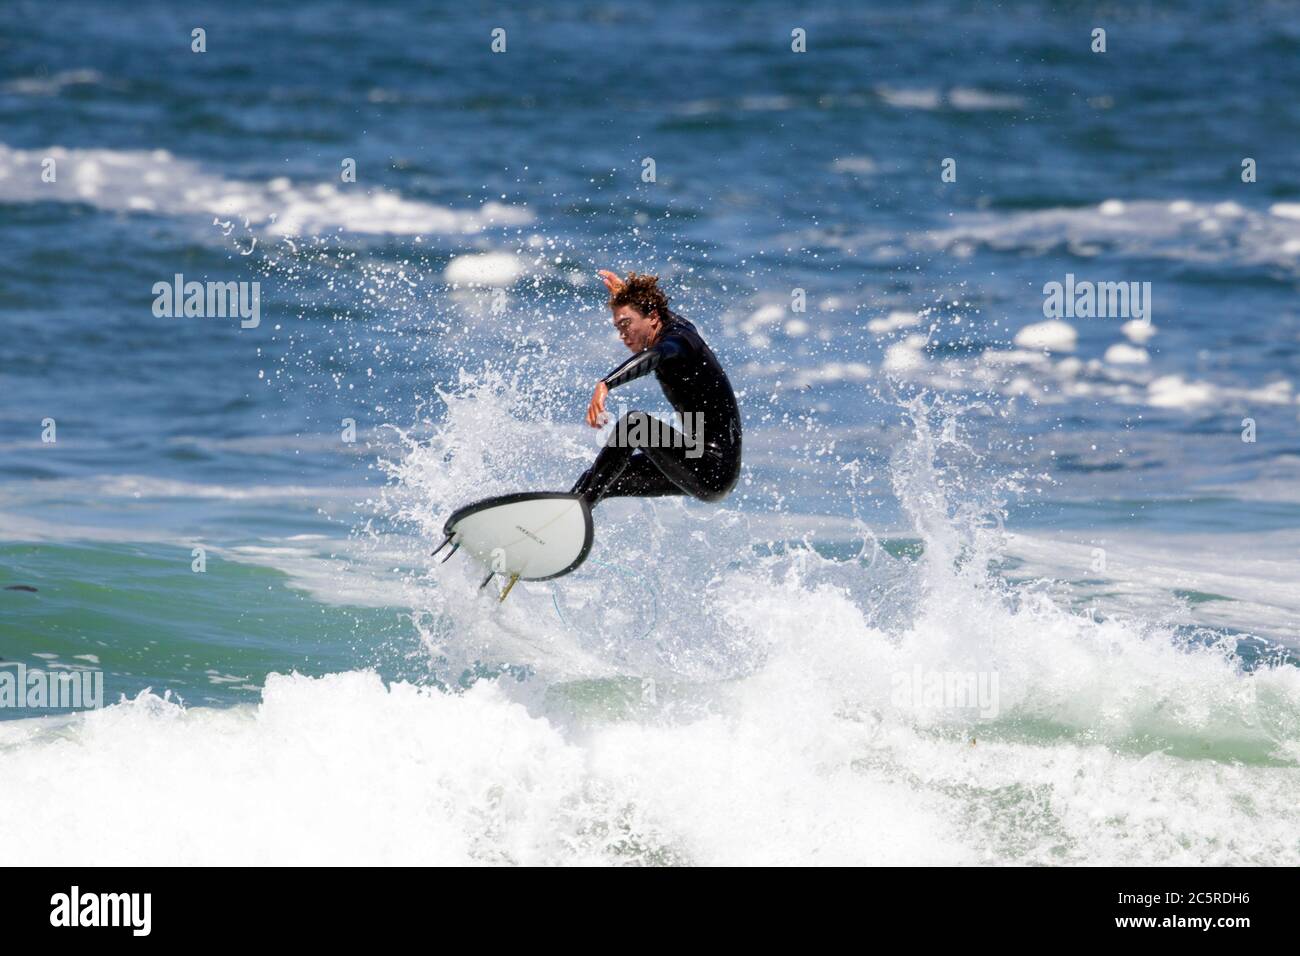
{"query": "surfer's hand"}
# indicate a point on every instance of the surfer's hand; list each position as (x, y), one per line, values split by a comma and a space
(596, 410)
(612, 282)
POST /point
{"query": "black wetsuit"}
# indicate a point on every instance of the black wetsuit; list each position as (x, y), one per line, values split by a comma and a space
(644, 456)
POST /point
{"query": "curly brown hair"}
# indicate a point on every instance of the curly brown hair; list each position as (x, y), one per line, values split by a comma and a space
(642, 292)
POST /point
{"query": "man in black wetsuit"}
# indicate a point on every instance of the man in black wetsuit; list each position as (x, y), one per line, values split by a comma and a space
(644, 456)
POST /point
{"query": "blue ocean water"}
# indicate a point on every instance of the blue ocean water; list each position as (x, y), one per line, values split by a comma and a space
(939, 479)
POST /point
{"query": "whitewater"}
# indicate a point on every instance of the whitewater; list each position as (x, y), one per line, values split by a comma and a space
(759, 722)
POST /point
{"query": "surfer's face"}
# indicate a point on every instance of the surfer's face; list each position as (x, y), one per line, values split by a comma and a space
(637, 331)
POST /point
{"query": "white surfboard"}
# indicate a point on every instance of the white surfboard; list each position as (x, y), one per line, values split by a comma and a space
(532, 536)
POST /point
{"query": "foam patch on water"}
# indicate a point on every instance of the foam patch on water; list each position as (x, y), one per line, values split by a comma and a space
(487, 268)
(1183, 230)
(961, 99)
(156, 181)
(1124, 374)
(53, 84)
(1051, 336)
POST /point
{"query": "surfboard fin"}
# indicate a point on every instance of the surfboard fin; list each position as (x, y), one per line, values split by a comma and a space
(491, 575)
(454, 548)
(506, 592)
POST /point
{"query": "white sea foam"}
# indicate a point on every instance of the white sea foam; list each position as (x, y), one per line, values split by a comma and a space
(486, 268)
(1138, 331)
(829, 372)
(1181, 230)
(1172, 391)
(764, 316)
(1113, 743)
(1247, 580)
(1122, 354)
(158, 181)
(968, 98)
(965, 99)
(54, 84)
(1052, 335)
(1012, 357)
(860, 165)
(895, 320)
(905, 356)
(916, 99)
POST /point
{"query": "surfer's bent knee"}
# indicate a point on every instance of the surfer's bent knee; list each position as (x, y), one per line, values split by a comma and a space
(715, 494)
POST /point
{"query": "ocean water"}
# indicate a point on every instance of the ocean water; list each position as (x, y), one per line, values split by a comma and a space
(938, 486)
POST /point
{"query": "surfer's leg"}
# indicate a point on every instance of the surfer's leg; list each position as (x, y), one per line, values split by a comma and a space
(709, 477)
(621, 469)
(706, 472)
(662, 464)
(641, 479)
(622, 472)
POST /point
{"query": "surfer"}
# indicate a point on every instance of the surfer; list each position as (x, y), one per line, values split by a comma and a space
(644, 456)
(539, 536)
